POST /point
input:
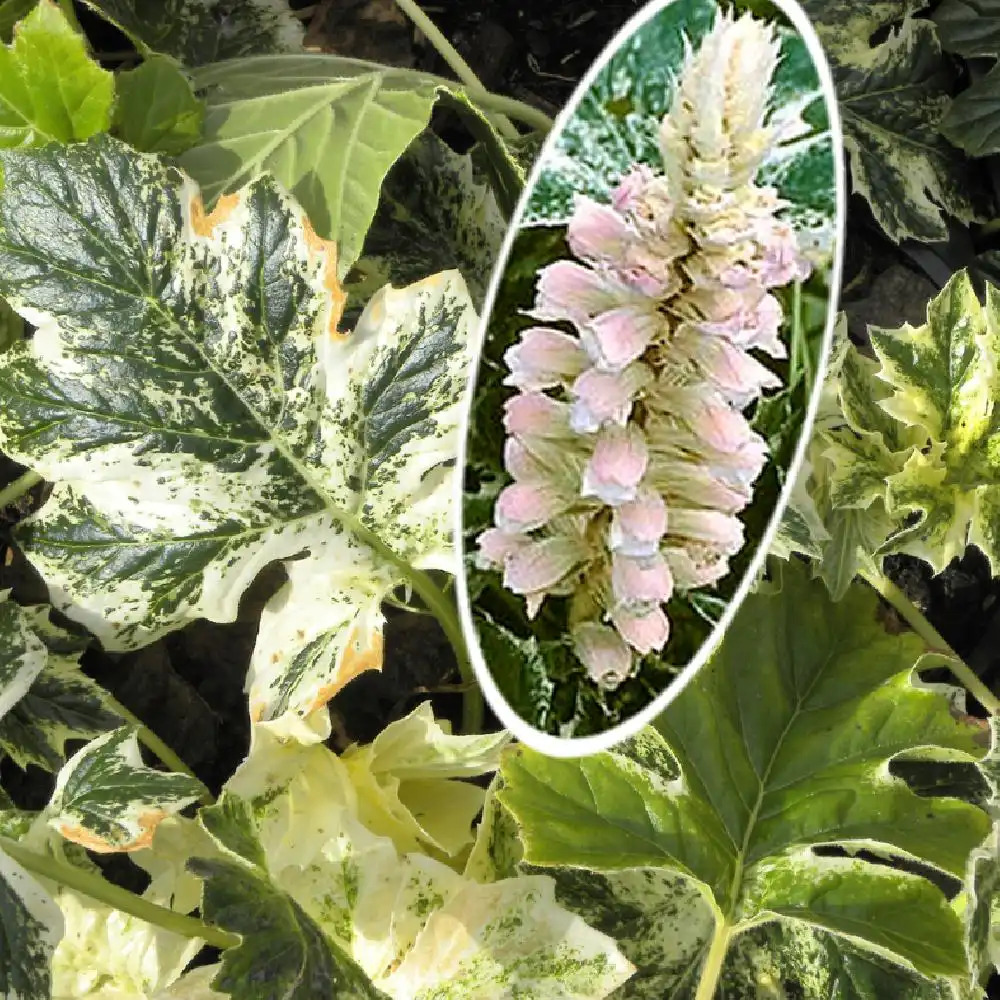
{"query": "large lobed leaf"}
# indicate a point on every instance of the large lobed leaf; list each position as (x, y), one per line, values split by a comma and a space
(717, 816)
(304, 872)
(201, 413)
(327, 128)
(893, 96)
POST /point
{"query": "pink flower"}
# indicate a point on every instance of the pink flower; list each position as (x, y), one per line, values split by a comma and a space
(535, 413)
(616, 466)
(525, 506)
(543, 359)
(604, 397)
(597, 231)
(496, 546)
(644, 631)
(641, 580)
(539, 566)
(707, 526)
(569, 291)
(619, 336)
(624, 197)
(603, 652)
(638, 526)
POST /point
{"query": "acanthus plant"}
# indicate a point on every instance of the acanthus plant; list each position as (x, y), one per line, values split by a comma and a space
(629, 448)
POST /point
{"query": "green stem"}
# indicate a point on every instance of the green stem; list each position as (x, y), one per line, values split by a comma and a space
(451, 56)
(711, 971)
(18, 488)
(97, 887)
(517, 110)
(911, 614)
(151, 741)
(796, 352)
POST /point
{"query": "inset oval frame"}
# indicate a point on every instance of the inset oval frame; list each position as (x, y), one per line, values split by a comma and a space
(647, 421)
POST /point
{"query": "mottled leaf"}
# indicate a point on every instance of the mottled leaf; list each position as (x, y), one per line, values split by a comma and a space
(107, 800)
(204, 31)
(22, 654)
(327, 128)
(892, 98)
(293, 823)
(30, 928)
(201, 413)
(50, 88)
(157, 111)
(750, 771)
(432, 216)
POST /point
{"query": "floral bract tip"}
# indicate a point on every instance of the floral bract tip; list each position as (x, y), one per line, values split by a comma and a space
(629, 451)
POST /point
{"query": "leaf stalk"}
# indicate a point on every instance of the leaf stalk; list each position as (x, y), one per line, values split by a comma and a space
(913, 617)
(25, 482)
(97, 887)
(711, 971)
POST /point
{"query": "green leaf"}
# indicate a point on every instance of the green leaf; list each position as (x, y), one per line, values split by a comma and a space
(50, 88)
(22, 654)
(327, 128)
(157, 111)
(12, 11)
(244, 428)
(282, 945)
(969, 27)
(107, 800)
(972, 121)
(892, 98)
(749, 772)
(203, 31)
(62, 704)
(432, 216)
(30, 928)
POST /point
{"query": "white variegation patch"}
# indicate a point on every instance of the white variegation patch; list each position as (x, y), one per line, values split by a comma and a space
(203, 414)
(22, 654)
(107, 800)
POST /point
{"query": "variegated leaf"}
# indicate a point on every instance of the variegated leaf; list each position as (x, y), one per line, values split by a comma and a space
(748, 772)
(945, 382)
(201, 413)
(62, 704)
(406, 782)
(203, 31)
(30, 928)
(892, 98)
(22, 654)
(433, 215)
(326, 128)
(291, 822)
(107, 800)
(50, 88)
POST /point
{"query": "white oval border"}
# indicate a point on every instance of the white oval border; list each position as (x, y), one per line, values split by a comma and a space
(579, 746)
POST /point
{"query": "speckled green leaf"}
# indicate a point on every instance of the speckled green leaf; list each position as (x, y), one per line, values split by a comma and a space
(327, 128)
(748, 771)
(22, 654)
(892, 97)
(201, 414)
(203, 31)
(107, 800)
(50, 88)
(30, 928)
(62, 704)
(945, 387)
(284, 953)
(432, 216)
(157, 111)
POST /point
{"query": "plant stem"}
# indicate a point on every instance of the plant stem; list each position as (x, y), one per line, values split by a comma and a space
(911, 614)
(451, 56)
(103, 891)
(152, 742)
(708, 980)
(18, 488)
(517, 110)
